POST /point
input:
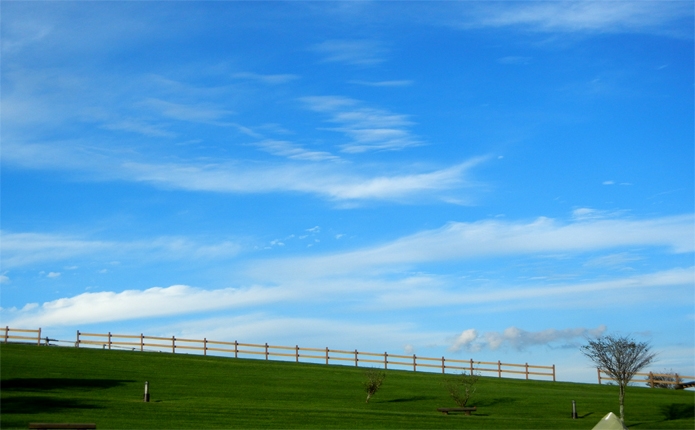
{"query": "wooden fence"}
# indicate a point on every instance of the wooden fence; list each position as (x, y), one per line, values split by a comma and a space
(22, 338)
(323, 355)
(654, 379)
(295, 353)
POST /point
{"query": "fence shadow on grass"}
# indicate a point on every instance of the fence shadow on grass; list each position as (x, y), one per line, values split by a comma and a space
(677, 411)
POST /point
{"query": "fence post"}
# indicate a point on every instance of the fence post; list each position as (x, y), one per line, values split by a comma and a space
(77, 343)
(356, 358)
(443, 364)
(296, 353)
(173, 345)
(678, 381)
(7, 333)
(38, 341)
(266, 351)
(553, 373)
(651, 380)
(142, 342)
(499, 368)
(386, 362)
(205, 346)
(598, 370)
(109, 340)
(471, 367)
(326, 355)
(236, 349)
(414, 363)
(527, 371)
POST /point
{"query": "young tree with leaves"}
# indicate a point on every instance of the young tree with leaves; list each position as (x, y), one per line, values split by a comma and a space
(461, 387)
(374, 379)
(620, 358)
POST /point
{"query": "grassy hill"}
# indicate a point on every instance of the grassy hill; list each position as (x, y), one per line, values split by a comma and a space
(52, 384)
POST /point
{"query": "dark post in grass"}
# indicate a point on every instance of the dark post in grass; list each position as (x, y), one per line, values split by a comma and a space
(147, 391)
(574, 410)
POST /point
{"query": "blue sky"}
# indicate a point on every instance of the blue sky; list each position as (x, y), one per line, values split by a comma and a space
(487, 180)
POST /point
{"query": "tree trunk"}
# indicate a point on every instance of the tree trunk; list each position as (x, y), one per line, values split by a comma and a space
(622, 403)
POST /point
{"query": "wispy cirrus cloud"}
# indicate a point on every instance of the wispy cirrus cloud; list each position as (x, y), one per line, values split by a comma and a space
(434, 293)
(287, 149)
(185, 112)
(392, 83)
(351, 52)
(23, 249)
(266, 79)
(581, 16)
(345, 183)
(492, 238)
(370, 129)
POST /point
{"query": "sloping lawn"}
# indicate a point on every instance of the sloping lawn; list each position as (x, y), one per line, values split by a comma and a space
(52, 384)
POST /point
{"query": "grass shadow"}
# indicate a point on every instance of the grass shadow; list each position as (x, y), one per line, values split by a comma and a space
(677, 411)
(40, 404)
(47, 384)
(493, 402)
(410, 399)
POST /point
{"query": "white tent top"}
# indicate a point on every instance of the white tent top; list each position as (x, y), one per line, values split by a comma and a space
(610, 422)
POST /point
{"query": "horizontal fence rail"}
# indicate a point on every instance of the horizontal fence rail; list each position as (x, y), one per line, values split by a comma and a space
(671, 380)
(326, 355)
(23, 337)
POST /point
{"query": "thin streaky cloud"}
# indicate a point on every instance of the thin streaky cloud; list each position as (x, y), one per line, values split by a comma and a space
(292, 151)
(351, 52)
(491, 238)
(583, 16)
(368, 128)
(231, 176)
(185, 112)
(21, 249)
(395, 83)
(266, 79)
(559, 295)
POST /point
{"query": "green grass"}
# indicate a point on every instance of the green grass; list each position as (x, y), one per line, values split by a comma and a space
(51, 384)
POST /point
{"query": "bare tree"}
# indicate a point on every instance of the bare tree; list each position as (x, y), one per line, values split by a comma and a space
(461, 387)
(373, 382)
(620, 358)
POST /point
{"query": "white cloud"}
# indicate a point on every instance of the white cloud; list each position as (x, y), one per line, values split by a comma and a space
(494, 238)
(98, 307)
(53, 275)
(4, 279)
(369, 128)
(266, 79)
(394, 83)
(519, 339)
(351, 52)
(584, 15)
(22, 249)
(139, 126)
(186, 112)
(327, 181)
(514, 60)
(633, 289)
(295, 152)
